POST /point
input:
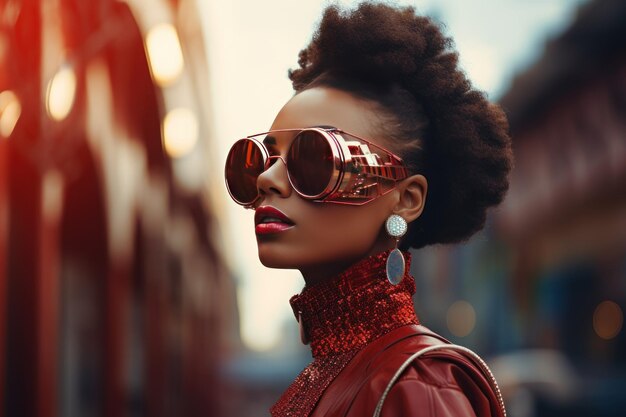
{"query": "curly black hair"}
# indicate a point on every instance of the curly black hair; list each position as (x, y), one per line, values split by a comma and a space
(441, 126)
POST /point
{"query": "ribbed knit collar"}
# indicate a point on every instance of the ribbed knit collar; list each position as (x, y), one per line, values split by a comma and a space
(359, 305)
(340, 317)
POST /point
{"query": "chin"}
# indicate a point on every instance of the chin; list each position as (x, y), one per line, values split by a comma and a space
(274, 264)
(273, 258)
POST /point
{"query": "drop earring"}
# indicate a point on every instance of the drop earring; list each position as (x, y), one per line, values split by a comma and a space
(396, 228)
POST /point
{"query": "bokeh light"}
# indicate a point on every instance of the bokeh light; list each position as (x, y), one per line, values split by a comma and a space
(608, 319)
(10, 111)
(164, 54)
(461, 318)
(180, 132)
(61, 93)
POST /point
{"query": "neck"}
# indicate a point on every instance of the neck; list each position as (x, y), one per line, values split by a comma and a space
(318, 274)
(345, 312)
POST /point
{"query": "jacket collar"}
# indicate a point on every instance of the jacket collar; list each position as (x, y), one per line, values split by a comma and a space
(347, 312)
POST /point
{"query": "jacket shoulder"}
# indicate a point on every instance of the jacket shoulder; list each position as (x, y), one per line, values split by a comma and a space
(434, 386)
(443, 383)
(415, 397)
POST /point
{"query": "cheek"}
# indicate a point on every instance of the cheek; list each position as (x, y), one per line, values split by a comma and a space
(344, 231)
(325, 236)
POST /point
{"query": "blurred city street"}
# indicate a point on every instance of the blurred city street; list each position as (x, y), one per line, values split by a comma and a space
(130, 283)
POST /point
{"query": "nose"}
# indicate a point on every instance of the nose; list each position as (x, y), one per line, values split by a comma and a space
(274, 180)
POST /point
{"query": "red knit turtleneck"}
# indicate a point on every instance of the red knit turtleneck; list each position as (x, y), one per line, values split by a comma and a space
(340, 317)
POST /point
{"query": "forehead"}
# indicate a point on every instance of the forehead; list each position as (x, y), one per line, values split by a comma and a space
(322, 106)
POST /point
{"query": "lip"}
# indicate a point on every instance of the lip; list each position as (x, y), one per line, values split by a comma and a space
(280, 222)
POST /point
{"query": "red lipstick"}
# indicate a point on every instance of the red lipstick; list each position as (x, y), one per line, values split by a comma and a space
(270, 220)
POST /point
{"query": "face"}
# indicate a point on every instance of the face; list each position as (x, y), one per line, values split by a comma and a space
(319, 239)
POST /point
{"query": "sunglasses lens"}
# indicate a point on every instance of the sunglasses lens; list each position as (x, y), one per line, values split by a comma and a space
(244, 164)
(310, 163)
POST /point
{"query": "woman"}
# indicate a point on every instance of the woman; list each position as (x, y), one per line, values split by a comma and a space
(385, 145)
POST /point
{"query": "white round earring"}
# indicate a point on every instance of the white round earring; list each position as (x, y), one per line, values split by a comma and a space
(396, 228)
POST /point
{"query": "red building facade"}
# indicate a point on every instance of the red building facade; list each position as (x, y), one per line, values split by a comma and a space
(113, 290)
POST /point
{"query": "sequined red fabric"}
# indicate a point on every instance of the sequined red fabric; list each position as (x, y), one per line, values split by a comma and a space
(340, 317)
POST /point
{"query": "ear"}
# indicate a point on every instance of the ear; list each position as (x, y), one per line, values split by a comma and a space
(412, 197)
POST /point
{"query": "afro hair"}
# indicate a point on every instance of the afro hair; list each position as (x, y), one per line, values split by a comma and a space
(441, 126)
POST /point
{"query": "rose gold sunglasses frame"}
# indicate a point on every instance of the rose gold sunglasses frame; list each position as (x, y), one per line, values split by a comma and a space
(357, 171)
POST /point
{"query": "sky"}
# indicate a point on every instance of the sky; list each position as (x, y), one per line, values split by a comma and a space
(251, 45)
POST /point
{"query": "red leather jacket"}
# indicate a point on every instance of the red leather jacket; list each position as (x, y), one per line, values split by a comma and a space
(442, 384)
(361, 329)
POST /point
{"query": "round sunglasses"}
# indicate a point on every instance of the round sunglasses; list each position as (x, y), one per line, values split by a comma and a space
(323, 164)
